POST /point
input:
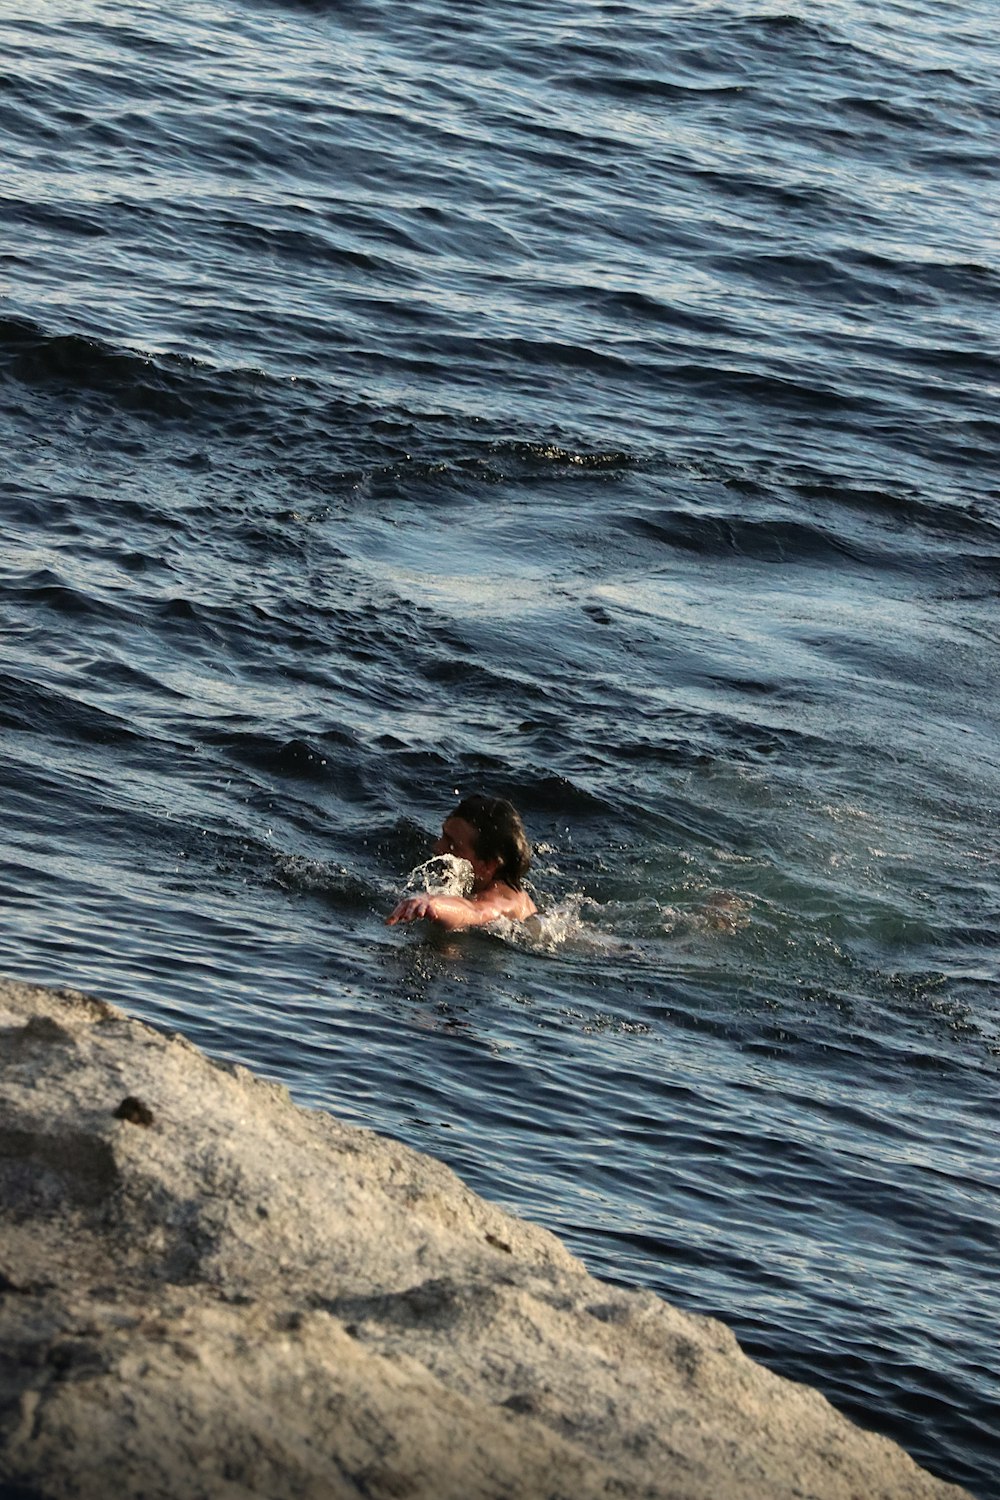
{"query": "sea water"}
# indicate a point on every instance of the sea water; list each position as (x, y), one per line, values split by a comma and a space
(594, 405)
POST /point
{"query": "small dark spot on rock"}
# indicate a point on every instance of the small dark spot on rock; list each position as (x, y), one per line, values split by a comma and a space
(352, 1330)
(428, 1300)
(46, 1029)
(24, 1289)
(379, 1480)
(497, 1244)
(134, 1111)
(263, 1212)
(74, 1357)
(154, 1328)
(609, 1312)
(524, 1404)
(687, 1358)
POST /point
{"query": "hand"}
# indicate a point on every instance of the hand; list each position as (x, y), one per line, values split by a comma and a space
(411, 910)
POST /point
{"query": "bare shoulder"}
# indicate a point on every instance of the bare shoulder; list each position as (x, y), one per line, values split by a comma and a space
(504, 901)
(526, 907)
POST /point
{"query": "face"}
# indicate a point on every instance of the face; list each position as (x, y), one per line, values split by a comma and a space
(458, 837)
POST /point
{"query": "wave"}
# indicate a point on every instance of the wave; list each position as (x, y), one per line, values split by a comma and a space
(64, 714)
(165, 385)
(638, 87)
(763, 540)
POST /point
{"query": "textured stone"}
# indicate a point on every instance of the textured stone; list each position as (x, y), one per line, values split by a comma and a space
(243, 1298)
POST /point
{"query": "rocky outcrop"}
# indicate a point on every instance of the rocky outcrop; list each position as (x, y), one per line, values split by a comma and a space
(206, 1291)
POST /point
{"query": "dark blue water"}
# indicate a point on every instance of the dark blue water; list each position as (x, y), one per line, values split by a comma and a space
(595, 405)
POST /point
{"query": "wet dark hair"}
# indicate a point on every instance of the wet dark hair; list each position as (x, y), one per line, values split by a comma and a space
(500, 835)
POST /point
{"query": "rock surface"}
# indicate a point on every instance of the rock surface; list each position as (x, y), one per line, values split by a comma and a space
(206, 1291)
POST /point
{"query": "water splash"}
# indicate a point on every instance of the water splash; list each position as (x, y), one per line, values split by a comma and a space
(295, 872)
(560, 928)
(444, 875)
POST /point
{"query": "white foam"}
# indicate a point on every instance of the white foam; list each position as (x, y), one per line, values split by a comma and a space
(559, 928)
(444, 875)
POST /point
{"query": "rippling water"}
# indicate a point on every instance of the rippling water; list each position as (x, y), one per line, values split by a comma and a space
(595, 405)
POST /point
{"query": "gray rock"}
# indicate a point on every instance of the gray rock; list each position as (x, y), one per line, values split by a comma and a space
(206, 1291)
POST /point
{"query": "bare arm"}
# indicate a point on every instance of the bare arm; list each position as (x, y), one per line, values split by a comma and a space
(455, 912)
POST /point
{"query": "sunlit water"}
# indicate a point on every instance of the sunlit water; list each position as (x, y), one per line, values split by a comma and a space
(595, 408)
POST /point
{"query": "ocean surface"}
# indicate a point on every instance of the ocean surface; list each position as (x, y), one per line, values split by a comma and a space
(594, 404)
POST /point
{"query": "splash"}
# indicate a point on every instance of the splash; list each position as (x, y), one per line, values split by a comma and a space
(294, 872)
(559, 928)
(580, 925)
(444, 875)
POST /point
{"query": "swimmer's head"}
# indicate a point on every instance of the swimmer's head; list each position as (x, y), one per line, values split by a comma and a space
(488, 832)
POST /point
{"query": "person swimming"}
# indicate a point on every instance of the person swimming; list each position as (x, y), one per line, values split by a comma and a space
(489, 834)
